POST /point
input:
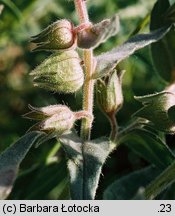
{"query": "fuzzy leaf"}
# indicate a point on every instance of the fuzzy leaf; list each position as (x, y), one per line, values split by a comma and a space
(150, 147)
(10, 160)
(72, 145)
(163, 51)
(163, 181)
(128, 186)
(95, 154)
(85, 161)
(106, 62)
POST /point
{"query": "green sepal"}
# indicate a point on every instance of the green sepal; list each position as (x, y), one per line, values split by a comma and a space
(156, 109)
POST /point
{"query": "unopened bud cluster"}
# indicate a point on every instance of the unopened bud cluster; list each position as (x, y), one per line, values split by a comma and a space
(63, 72)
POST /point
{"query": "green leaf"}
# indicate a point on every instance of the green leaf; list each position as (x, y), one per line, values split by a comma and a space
(106, 62)
(85, 161)
(10, 160)
(129, 186)
(157, 14)
(163, 181)
(163, 51)
(150, 147)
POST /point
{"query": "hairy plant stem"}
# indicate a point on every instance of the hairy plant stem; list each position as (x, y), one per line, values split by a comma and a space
(88, 95)
(88, 90)
(81, 9)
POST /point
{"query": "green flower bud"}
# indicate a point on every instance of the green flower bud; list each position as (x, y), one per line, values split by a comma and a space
(58, 36)
(56, 119)
(109, 93)
(61, 72)
(159, 109)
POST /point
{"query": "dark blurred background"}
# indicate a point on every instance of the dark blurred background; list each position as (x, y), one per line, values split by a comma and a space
(19, 20)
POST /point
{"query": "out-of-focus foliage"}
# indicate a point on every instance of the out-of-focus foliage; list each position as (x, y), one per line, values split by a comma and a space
(10, 160)
(44, 169)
